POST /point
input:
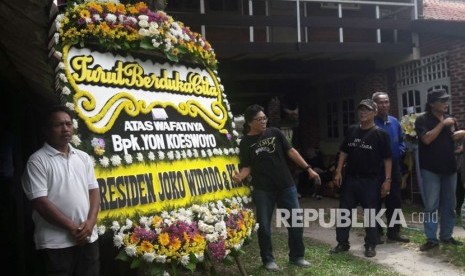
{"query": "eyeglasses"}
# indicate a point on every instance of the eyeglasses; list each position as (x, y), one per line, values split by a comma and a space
(261, 119)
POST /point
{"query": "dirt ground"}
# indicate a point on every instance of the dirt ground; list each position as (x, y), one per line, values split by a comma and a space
(406, 259)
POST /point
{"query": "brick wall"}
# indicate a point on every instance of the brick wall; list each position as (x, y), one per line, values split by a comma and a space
(456, 63)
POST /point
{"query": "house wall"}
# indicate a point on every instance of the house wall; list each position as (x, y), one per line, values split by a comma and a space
(431, 44)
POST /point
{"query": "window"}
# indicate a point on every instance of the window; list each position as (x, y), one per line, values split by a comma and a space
(348, 114)
(332, 120)
(411, 102)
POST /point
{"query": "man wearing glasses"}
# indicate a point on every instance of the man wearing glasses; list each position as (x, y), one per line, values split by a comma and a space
(263, 153)
(437, 133)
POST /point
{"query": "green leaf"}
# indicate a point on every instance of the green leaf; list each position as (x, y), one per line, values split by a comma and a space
(135, 263)
(147, 45)
(122, 256)
(171, 57)
(191, 266)
(229, 260)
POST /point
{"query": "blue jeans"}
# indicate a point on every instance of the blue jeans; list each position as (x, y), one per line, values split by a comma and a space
(438, 194)
(265, 203)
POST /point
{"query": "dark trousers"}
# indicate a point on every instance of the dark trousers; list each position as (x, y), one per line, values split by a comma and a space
(265, 203)
(76, 260)
(363, 190)
(392, 201)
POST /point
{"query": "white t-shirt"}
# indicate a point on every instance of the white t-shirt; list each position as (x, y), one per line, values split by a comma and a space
(66, 182)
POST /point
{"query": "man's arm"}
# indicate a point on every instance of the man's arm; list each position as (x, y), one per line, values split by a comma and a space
(386, 187)
(340, 165)
(432, 134)
(53, 215)
(299, 161)
(240, 175)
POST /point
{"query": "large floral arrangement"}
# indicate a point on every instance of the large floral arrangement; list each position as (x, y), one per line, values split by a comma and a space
(407, 123)
(132, 27)
(113, 25)
(185, 236)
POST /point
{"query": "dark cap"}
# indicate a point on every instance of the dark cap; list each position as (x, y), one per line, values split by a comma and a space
(436, 95)
(370, 104)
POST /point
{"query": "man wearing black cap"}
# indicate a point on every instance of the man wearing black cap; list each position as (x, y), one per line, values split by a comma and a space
(437, 131)
(364, 153)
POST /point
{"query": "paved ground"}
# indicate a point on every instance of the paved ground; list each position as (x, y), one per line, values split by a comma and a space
(405, 259)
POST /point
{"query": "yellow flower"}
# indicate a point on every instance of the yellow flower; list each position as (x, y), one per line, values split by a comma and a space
(175, 244)
(111, 7)
(146, 246)
(164, 239)
(97, 7)
(84, 14)
(156, 221)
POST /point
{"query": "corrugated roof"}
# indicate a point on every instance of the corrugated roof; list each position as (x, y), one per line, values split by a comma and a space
(450, 10)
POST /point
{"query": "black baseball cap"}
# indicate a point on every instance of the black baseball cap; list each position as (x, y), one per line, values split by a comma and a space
(437, 95)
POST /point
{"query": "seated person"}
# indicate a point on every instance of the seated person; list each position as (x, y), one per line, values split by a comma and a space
(306, 186)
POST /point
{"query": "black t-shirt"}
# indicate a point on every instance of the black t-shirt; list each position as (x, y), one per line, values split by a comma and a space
(366, 150)
(266, 155)
(438, 156)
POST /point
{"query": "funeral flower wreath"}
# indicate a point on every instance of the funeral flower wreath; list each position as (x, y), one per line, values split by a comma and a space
(117, 26)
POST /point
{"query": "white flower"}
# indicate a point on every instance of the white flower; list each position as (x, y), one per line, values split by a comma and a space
(144, 220)
(128, 223)
(185, 260)
(118, 240)
(151, 156)
(104, 161)
(115, 160)
(56, 36)
(161, 155)
(196, 153)
(96, 17)
(101, 229)
(65, 91)
(209, 152)
(115, 226)
(256, 227)
(75, 140)
(63, 77)
(111, 18)
(189, 153)
(143, 17)
(128, 158)
(140, 157)
(153, 30)
(131, 250)
(160, 259)
(199, 257)
(203, 153)
(57, 54)
(170, 155)
(177, 155)
(75, 124)
(148, 257)
(212, 237)
(155, 43)
(144, 32)
(70, 106)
